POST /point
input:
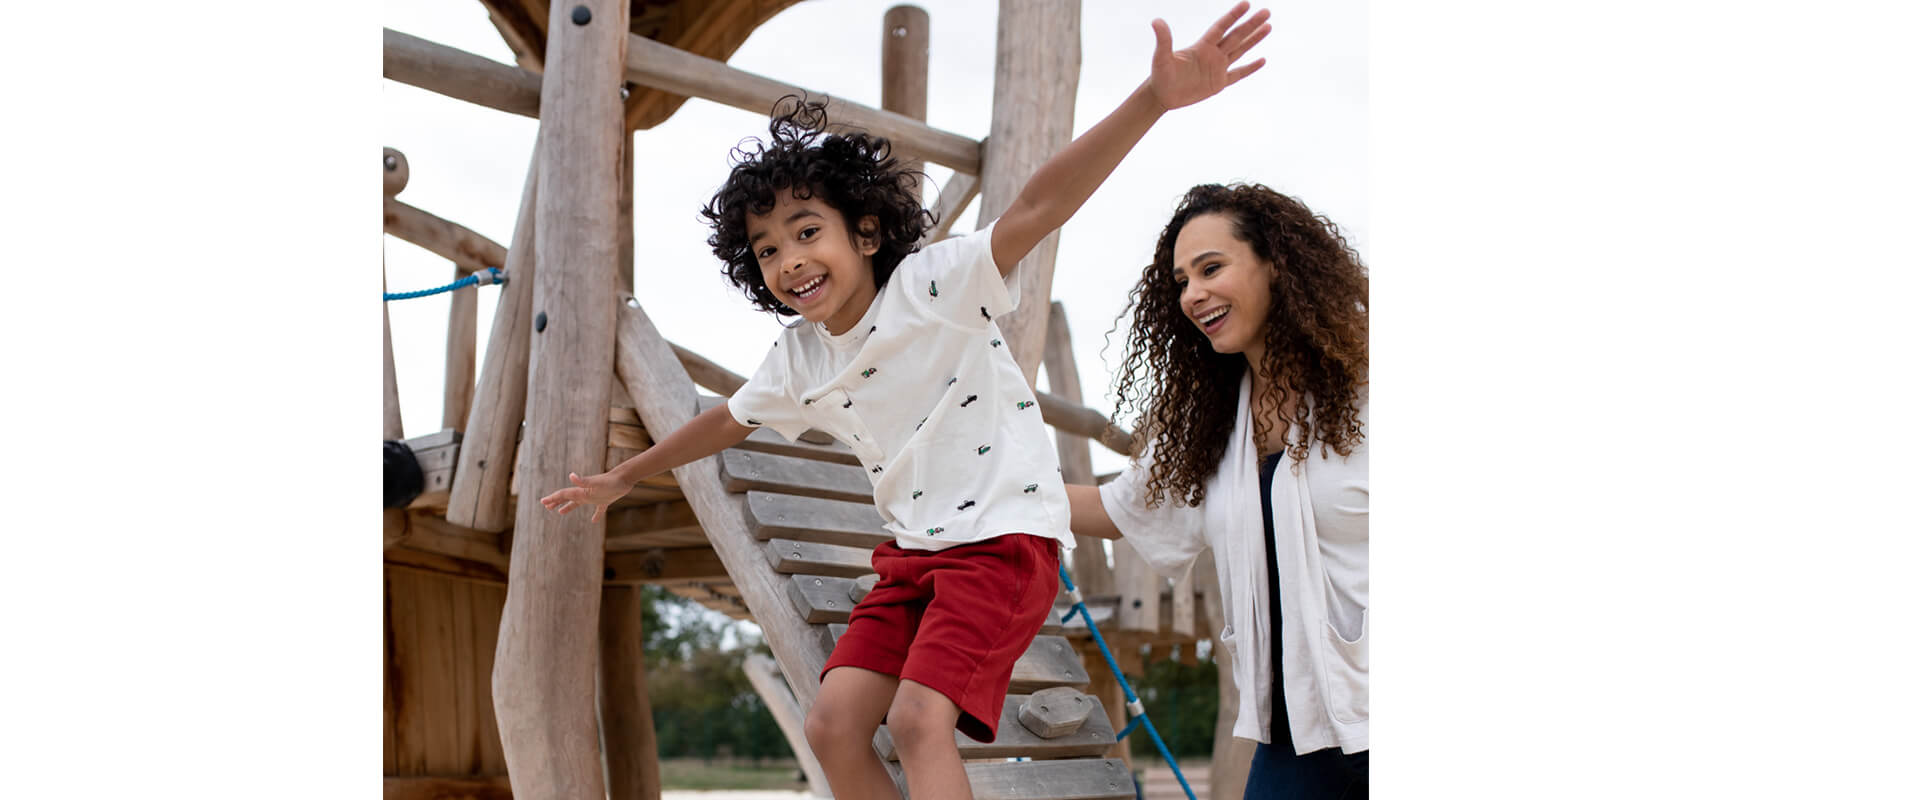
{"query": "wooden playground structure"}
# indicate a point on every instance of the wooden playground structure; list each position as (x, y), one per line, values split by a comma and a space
(512, 657)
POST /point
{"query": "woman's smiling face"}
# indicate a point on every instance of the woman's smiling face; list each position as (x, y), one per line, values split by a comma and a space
(1225, 290)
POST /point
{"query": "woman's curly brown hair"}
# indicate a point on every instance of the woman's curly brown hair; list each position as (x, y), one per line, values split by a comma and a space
(1316, 341)
(854, 172)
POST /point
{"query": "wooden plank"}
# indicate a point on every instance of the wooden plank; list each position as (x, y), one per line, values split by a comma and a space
(1013, 740)
(1070, 779)
(664, 67)
(789, 557)
(772, 515)
(1035, 79)
(661, 565)
(707, 374)
(430, 788)
(666, 398)
(433, 534)
(903, 69)
(393, 171)
(404, 675)
(437, 454)
(1090, 570)
(626, 715)
(821, 598)
(745, 470)
(486, 629)
(406, 558)
(822, 448)
(630, 524)
(765, 676)
(481, 488)
(545, 667)
(390, 675)
(459, 74)
(1181, 622)
(1048, 662)
(1139, 588)
(440, 694)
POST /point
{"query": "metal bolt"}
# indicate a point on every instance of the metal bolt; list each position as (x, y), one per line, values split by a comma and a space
(625, 92)
(392, 163)
(581, 15)
(633, 302)
(540, 324)
(609, 574)
(899, 31)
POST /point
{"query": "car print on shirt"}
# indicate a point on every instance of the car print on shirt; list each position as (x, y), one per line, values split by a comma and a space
(965, 505)
(917, 493)
(868, 372)
(1023, 405)
(983, 312)
(984, 448)
(936, 531)
(996, 343)
(933, 288)
(1031, 488)
(970, 398)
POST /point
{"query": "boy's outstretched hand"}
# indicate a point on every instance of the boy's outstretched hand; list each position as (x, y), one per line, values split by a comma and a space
(598, 491)
(1184, 77)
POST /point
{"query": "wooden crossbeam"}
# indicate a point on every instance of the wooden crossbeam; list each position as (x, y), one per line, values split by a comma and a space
(668, 68)
(662, 565)
(459, 74)
(469, 251)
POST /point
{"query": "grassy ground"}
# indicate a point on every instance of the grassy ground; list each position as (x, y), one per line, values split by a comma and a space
(700, 774)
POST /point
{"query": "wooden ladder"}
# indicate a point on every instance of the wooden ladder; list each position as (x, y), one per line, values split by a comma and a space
(794, 524)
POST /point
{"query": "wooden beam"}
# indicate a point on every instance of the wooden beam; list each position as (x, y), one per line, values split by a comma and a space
(1067, 779)
(706, 374)
(765, 676)
(1035, 78)
(1090, 569)
(460, 75)
(545, 668)
(405, 557)
(429, 788)
(481, 484)
(393, 171)
(626, 715)
(665, 398)
(1077, 419)
(664, 67)
(903, 69)
(664, 565)
(954, 197)
(430, 533)
(520, 25)
(452, 241)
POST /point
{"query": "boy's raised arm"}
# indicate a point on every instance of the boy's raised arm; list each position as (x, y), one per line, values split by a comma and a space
(711, 431)
(1179, 78)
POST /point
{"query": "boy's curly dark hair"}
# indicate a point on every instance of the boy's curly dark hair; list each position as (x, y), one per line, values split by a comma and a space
(1316, 342)
(854, 172)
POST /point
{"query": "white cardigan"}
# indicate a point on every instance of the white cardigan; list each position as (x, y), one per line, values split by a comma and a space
(1320, 543)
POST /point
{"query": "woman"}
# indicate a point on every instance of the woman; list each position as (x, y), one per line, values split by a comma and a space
(1248, 359)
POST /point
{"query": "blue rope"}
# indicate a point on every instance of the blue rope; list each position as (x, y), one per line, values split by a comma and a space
(490, 275)
(1134, 706)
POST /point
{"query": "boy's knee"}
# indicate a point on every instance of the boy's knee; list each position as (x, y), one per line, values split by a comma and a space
(912, 720)
(827, 728)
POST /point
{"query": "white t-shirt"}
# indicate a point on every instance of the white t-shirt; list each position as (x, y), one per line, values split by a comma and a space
(927, 395)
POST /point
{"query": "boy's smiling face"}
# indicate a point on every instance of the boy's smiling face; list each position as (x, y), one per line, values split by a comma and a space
(812, 262)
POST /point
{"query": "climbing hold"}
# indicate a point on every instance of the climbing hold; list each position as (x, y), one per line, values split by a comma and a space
(1056, 712)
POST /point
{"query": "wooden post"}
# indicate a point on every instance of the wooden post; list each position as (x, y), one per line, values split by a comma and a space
(544, 673)
(903, 69)
(1036, 75)
(390, 427)
(765, 676)
(463, 314)
(626, 716)
(479, 495)
(1139, 588)
(1076, 457)
(623, 258)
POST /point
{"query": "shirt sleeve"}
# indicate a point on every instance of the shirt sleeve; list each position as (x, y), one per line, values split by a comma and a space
(766, 400)
(957, 280)
(1169, 537)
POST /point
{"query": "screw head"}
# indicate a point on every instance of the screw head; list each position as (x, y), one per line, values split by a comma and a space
(540, 322)
(391, 162)
(581, 15)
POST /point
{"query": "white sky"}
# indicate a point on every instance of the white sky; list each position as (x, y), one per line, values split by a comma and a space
(1299, 125)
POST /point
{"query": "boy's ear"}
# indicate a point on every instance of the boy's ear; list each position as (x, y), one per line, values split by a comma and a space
(869, 234)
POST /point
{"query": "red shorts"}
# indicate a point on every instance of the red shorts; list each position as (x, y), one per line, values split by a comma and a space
(954, 620)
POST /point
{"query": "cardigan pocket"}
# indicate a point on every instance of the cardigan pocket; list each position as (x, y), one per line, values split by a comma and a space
(1343, 670)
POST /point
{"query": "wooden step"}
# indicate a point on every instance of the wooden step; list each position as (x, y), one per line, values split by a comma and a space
(789, 557)
(1048, 662)
(811, 519)
(1069, 779)
(1015, 741)
(744, 470)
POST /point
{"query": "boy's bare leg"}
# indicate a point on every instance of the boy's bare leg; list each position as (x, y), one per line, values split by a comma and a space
(840, 728)
(921, 722)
